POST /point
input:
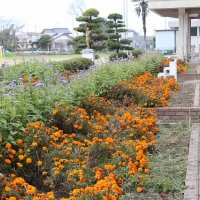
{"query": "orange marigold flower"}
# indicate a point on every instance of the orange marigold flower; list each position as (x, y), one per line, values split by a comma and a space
(10, 156)
(28, 160)
(39, 163)
(139, 189)
(109, 167)
(12, 198)
(31, 189)
(44, 173)
(12, 151)
(19, 165)
(19, 141)
(54, 112)
(7, 161)
(50, 195)
(75, 125)
(44, 148)
(8, 146)
(7, 189)
(1, 156)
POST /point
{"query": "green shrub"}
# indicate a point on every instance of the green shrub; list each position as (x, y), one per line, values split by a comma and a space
(136, 53)
(97, 56)
(76, 64)
(151, 62)
(124, 95)
(120, 55)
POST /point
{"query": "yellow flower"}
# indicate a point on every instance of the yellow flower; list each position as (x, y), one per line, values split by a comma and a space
(21, 157)
(34, 144)
(28, 160)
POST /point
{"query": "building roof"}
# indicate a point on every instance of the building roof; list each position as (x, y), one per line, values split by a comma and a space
(169, 8)
(56, 30)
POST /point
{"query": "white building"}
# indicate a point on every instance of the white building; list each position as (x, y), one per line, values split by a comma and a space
(168, 40)
(185, 11)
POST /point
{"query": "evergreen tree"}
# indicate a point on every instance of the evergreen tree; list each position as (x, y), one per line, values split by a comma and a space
(91, 20)
(115, 29)
(44, 42)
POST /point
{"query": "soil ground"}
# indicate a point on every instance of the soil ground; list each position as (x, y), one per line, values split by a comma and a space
(185, 97)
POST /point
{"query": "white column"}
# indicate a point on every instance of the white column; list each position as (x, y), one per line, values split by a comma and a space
(183, 33)
(186, 35)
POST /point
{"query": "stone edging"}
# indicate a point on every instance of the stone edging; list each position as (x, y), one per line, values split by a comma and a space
(187, 77)
(175, 114)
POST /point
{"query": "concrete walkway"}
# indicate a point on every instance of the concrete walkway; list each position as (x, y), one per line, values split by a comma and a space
(192, 175)
(192, 181)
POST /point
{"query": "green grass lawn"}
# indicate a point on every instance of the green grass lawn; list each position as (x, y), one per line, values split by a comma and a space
(13, 59)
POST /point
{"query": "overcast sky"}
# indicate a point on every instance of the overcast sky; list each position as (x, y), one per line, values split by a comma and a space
(39, 14)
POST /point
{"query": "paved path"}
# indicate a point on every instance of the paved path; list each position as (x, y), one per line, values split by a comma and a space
(192, 181)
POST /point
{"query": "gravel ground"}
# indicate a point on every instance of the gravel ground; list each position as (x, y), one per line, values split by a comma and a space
(185, 97)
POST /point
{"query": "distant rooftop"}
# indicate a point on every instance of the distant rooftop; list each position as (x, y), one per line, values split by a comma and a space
(56, 30)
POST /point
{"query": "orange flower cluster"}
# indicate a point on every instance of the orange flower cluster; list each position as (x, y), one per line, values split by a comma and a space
(181, 65)
(17, 187)
(87, 152)
(151, 91)
(32, 80)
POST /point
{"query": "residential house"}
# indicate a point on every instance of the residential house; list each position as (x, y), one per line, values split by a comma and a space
(28, 40)
(61, 39)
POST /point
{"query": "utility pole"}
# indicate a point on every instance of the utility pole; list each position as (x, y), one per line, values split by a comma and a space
(125, 10)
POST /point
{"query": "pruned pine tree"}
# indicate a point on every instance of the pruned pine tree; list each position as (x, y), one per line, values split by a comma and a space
(90, 18)
(115, 30)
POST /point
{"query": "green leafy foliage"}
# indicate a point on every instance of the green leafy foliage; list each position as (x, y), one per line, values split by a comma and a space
(44, 42)
(76, 64)
(114, 30)
(120, 55)
(136, 53)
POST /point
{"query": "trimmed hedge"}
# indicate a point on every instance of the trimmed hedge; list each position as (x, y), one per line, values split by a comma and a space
(136, 53)
(76, 64)
(120, 55)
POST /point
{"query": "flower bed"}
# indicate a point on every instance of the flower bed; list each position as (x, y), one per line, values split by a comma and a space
(98, 150)
(181, 65)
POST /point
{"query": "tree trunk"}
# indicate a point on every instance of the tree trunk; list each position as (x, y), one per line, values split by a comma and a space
(144, 27)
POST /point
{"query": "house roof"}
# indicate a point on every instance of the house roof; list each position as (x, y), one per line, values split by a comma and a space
(56, 30)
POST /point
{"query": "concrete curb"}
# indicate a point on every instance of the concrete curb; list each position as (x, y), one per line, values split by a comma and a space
(192, 176)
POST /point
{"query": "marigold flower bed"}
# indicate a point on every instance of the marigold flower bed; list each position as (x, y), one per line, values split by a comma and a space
(96, 151)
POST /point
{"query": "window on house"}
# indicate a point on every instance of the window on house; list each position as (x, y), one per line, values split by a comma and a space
(193, 31)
